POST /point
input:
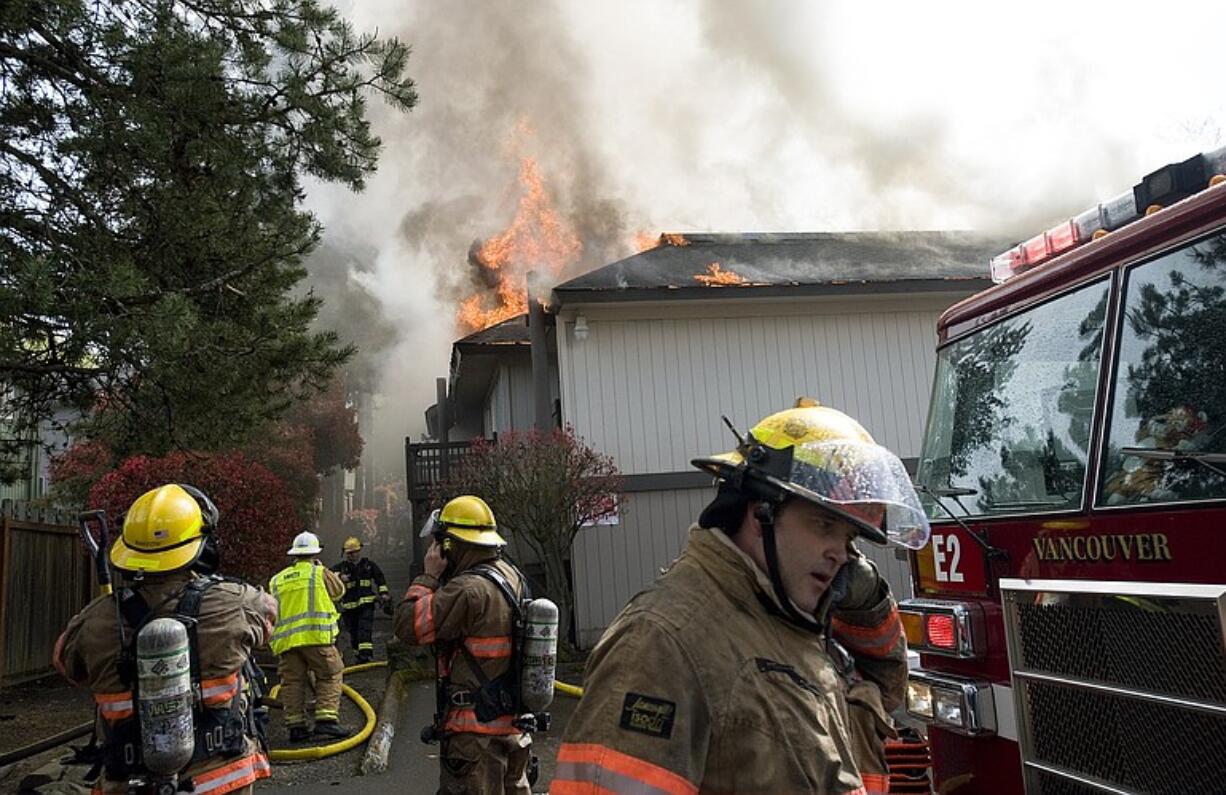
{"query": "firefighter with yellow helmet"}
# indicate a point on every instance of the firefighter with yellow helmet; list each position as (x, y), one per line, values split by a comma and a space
(304, 639)
(728, 673)
(364, 586)
(168, 655)
(457, 607)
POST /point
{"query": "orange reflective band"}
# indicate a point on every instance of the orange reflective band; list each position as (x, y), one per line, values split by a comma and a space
(875, 641)
(423, 616)
(219, 691)
(417, 591)
(876, 783)
(465, 720)
(594, 768)
(235, 775)
(114, 707)
(890, 624)
(489, 648)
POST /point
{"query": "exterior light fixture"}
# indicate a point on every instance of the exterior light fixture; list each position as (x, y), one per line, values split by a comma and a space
(581, 328)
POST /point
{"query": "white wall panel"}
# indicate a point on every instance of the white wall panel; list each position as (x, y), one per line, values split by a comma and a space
(509, 404)
(612, 564)
(649, 383)
(650, 392)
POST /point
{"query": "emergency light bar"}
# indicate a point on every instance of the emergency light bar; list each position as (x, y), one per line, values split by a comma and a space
(1162, 188)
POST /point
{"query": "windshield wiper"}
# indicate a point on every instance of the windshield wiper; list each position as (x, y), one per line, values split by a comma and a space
(957, 492)
(1205, 459)
(953, 491)
(993, 553)
(1015, 504)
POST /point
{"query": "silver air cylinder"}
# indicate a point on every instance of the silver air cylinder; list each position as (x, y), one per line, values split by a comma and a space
(164, 696)
(539, 656)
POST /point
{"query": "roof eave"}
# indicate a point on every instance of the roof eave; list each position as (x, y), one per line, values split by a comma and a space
(599, 295)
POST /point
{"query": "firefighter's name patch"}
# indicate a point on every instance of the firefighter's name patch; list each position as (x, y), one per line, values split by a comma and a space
(648, 715)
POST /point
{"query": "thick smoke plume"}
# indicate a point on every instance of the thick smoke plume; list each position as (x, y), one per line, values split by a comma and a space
(702, 115)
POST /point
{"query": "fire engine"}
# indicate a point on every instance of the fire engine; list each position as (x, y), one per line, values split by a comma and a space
(1071, 603)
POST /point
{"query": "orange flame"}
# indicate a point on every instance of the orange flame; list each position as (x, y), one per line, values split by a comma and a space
(538, 239)
(645, 240)
(673, 239)
(718, 277)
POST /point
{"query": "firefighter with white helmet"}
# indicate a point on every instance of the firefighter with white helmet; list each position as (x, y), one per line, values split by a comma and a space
(459, 607)
(304, 639)
(199, 728)
(724, 675)
(364, 586)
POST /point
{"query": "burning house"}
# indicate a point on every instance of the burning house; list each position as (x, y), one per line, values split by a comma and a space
(654, 348)
(647, 352)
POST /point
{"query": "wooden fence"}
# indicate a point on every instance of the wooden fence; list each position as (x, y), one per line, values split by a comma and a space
(45, 578)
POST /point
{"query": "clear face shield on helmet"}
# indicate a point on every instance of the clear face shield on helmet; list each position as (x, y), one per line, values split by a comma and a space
(431, 528)
(865, 483)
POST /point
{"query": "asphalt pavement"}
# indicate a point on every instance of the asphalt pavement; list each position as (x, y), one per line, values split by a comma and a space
(412, 765)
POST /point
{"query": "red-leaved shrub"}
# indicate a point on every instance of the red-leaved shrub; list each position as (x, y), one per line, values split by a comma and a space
(258, 516)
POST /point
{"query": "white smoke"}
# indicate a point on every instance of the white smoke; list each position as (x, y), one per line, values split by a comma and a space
(703, 115)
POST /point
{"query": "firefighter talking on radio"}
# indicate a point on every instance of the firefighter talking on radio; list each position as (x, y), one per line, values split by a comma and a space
(364, 585)
(304, 639)
(723, 675)
(167, 656)
(457, 607)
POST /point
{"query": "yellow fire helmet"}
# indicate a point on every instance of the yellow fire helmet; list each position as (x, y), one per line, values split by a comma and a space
(822, 455)
(466, 519)
(352, 544)
(163, 531)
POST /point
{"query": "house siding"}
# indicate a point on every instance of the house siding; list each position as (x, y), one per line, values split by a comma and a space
(612, 563)
(650, 392)
(649, 389)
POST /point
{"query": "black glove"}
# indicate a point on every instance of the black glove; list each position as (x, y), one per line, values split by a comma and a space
(858, 586)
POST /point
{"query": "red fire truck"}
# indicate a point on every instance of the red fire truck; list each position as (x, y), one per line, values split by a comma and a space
(1071, 604)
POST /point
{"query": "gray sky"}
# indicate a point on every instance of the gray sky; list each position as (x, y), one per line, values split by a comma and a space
(715, 115)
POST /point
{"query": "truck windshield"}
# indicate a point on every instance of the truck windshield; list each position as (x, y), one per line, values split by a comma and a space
(1166, 438)
(1012, 408)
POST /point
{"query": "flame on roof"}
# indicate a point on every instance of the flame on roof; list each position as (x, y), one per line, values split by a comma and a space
(718, 277)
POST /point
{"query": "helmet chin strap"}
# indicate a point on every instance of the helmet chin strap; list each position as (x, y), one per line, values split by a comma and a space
(765, 514)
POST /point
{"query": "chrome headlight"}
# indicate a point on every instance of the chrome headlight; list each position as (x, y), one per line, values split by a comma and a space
(965, 706)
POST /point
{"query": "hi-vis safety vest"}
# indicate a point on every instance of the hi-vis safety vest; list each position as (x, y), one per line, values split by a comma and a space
(307, 615)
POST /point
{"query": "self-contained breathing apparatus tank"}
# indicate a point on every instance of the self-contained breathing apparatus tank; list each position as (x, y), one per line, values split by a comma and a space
(538, 645)
(526, 690)
(165, 700)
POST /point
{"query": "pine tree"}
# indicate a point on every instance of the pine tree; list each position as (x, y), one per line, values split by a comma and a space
(152, 233)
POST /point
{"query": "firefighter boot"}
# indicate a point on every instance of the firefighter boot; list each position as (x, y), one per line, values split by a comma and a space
(299, 734)
(331, 728)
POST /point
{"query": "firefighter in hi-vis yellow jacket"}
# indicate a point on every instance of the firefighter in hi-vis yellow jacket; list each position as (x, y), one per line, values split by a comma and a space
(468, 621)
(722, 676)
(303, 639)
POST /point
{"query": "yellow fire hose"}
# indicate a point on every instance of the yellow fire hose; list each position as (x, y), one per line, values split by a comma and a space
(339, 747)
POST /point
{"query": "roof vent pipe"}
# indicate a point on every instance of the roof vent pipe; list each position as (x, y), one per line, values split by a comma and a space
(542, 415)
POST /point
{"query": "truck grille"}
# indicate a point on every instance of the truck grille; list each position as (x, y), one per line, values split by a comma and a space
(1119, 687)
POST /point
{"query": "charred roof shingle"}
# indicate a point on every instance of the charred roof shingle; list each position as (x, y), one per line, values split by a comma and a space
(765, 262)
